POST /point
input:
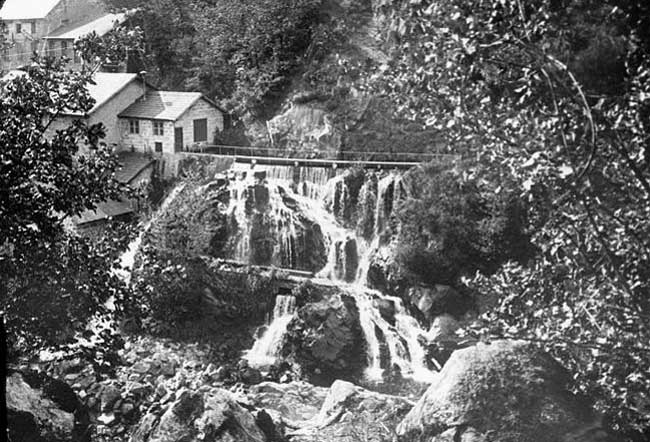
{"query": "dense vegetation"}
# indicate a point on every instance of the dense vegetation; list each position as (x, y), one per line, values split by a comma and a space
(554, 95)
(454, 226)
(51, 281)
(239, 52)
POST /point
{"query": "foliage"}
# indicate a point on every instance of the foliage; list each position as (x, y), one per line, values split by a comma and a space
(453, 226)
(514, 82)
(178, 292)
(112, 48)
(51, 281)
(232, 50)
(193, 225)
(249, 47)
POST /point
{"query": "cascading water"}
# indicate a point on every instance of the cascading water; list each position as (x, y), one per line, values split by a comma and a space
(99, 323)
(128, 257)
(265, 350)
(320, 195)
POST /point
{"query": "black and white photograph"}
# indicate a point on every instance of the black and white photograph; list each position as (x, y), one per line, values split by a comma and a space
(325, 220)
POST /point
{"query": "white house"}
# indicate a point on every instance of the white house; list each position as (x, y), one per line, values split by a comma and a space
(28, 22)
(168, 122)
(113, 92)
(61, 42)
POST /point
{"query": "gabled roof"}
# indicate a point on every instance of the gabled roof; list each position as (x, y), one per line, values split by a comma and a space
(101, 26)
(106, 86)
(132, 163)
(103, 211)
(163, 105)
(26, 9)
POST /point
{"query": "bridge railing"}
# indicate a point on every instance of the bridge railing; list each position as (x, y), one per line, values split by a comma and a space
(349, 155)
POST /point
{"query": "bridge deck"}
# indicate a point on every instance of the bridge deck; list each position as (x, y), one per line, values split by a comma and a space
(292, 157)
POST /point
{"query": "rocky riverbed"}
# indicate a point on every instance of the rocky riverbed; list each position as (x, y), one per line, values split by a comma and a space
(165, 391)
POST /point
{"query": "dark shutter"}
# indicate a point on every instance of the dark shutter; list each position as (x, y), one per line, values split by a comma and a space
(200, 130)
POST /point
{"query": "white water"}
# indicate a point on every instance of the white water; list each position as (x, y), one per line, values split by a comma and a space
(128, 257)
(318, 192)
(98, 323)
(266, 349)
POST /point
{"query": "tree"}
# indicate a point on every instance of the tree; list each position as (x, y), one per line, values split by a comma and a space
(450, 227)
(513, 83)
(51, 281)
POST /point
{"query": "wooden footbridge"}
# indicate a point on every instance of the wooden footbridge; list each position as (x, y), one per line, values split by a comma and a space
(311, 158)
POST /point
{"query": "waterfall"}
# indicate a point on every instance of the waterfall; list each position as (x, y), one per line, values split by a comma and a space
(128, 257)
(322, 196)
(266, 349)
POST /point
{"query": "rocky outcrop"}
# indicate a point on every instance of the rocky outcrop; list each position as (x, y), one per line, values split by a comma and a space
(503, 391)
(305, 129)
(350, 412)
(292, 405)
(211, 415)
(325, 339)
(32, 416)
(437, 300)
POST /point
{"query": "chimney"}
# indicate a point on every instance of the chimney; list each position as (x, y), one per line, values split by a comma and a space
(143, 77)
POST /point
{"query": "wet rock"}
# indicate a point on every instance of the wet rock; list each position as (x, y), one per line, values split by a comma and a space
(32, 417)
(294, 402)
(505, 390)
(260, 175)
(213, 416)
(250, 376)
(326, 336)
(127, 410)
(443, 328)
(141, 367)
(386, 309)
(110, 394)
(438, 300)
(350, 412)
(168, 369)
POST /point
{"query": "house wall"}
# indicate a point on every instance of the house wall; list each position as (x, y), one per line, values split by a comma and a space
(200, 109)
(65, 12)
(107, 113)
(144, 141)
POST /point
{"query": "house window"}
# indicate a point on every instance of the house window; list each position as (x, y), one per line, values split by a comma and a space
(33, 27)
(64, 48)
(158, 146)
(134, 126)
(19, 28)
(200, 130)
(158, 128)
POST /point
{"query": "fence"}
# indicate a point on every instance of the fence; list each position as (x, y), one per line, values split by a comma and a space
(346, 156)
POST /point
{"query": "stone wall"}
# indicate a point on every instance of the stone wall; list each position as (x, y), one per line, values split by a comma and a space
(107, 113)
(200, 109)
(145, 141)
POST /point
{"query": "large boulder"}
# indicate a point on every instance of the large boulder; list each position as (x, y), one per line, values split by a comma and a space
(306, 129)
(32, 417)
(437, 300)
(213, 415)
(350, 412)
(325, 339)
(503, 391)
(293, 404)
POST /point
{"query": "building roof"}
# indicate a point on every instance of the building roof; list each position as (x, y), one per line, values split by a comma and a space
(103, 211)
(107, 85)
(163, 105)
(101, 26)
(26, 9)
(132, 163)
